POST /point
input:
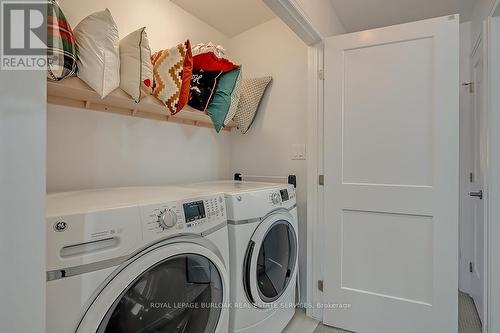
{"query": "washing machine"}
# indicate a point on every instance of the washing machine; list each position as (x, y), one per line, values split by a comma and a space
(263, 243)
(144, 259)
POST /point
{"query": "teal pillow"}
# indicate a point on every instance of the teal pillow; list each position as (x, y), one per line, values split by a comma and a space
(225, 99)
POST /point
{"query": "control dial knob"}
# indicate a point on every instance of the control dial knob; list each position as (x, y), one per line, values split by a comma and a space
(167, 219)
(275, 198)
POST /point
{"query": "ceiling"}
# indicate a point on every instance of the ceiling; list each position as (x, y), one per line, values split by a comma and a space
(357, 15)
(231, 17)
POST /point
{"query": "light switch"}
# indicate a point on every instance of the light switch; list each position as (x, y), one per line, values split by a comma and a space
(298, 151)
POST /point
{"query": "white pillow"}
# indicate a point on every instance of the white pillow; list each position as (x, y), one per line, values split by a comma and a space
(98, 53)
(136, 71)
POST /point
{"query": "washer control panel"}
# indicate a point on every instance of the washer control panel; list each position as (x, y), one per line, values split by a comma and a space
(196, 215)
(282, 196)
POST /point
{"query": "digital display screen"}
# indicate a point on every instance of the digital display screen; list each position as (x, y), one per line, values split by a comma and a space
(284, 195)
(194, 211)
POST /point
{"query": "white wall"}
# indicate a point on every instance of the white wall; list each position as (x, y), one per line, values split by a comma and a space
(481, 10)
(322, 16)
(272, 49)
(22, 201)
(91, 149)
(166, 23)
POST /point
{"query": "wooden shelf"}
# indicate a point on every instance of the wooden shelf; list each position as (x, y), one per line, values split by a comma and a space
(74, 92)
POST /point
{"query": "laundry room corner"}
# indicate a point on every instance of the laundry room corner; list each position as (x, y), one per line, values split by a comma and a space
(267, 149)
(249, 166)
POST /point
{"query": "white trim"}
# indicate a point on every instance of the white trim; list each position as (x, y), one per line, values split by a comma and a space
(493, 213)
(484, 38)
(495, 9)
(290, 12)
(465, 159)
(314, 191)
(481, 42)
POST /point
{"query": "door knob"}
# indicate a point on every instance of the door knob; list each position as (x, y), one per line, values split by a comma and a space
(478, 194)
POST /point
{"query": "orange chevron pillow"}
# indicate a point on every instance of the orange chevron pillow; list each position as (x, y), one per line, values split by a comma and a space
(170, 77)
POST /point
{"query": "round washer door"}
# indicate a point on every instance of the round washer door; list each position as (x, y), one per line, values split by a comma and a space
(178, 287)
(271, 260)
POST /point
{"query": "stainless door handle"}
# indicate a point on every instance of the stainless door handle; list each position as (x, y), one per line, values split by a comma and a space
(478, 194)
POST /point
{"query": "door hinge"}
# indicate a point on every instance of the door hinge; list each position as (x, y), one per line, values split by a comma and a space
(321, 74)
(471, 267)
(320, 285)
(321, 180)
(470, 85)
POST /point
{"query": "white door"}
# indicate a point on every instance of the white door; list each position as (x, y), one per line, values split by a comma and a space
(478, 153)
(391, 144)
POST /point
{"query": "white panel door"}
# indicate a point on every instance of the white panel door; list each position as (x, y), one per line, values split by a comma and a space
(478, 168)
(391, 178)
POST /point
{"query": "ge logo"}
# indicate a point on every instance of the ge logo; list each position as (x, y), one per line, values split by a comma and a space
(60, 226)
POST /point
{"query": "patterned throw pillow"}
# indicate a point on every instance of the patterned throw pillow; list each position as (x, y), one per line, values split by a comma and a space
(168, 75)
(252, 91)
(136, 71)
(209, 47)
(203, 86)
(61, 44)
(187, 74)
(225, 102)
(210, 62)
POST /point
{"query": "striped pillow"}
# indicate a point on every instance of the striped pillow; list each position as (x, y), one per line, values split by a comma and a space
(62, 51)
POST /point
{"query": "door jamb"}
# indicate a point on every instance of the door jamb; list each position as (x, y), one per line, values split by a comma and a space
(290, 12)
(493, 150)
(314, 190)
(482, 41)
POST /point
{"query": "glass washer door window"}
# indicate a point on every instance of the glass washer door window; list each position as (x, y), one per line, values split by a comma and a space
(275, 262)
(179, 294)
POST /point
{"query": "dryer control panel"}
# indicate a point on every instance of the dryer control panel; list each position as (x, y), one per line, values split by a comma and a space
(196, 215)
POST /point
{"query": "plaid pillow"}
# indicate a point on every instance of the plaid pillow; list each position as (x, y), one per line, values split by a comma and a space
(61, 44)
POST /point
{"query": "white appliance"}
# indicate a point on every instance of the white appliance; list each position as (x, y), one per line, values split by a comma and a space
(150, 259)
(263, 243)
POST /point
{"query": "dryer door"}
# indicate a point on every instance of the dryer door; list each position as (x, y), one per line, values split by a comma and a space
(271, 259)
(173, 288)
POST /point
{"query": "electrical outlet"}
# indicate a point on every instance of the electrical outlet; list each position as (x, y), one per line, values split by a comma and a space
(298, 151)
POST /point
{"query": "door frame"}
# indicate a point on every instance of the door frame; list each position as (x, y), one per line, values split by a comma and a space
(291, 13)
(315, 224)
(491, 58)
(477, 45)
(492, 80)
